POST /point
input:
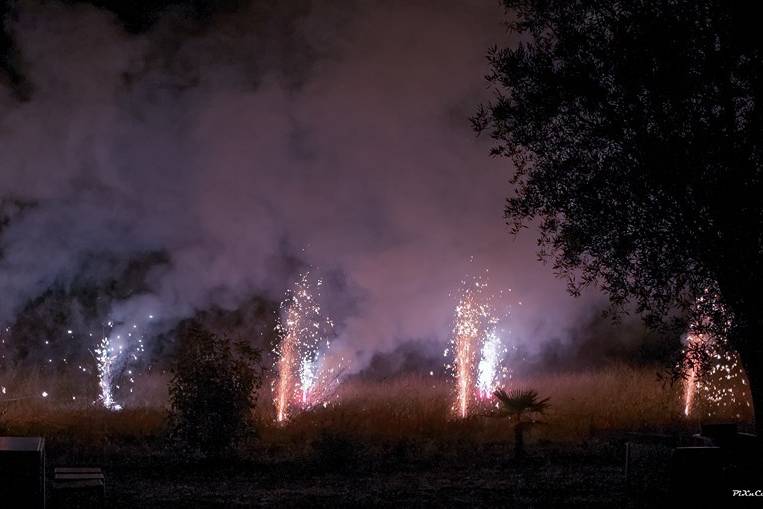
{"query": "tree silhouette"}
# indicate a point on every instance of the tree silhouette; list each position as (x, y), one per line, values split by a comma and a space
(518, 404)
(213, 389)
(636, 133)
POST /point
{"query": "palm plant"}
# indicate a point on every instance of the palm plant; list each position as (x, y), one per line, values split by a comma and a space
(522, 407)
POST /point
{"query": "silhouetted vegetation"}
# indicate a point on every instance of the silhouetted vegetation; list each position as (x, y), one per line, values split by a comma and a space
(213, 390)
(636, 133)
(394, 441)
(523, 408)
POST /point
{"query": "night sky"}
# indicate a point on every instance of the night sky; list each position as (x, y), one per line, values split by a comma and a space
(234, 139)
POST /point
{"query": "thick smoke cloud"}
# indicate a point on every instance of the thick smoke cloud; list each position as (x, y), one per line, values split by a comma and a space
(336, 135)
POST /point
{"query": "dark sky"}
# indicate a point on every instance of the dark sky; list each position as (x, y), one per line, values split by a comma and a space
(336, 132)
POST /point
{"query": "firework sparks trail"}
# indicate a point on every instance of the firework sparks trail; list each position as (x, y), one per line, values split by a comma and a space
(111, 358)
(488, 368)
(693, 341)
(466, 335)
(105, 357)
(306, 377)
(287, 356)
(478, 351)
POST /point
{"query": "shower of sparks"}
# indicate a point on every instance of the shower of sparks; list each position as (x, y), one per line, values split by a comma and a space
(715, 377)
(286, 357)
(306, 379)
(476, 347)
(105, 357)
(112, 355)
(488, 367)
(114, 360)
(305, 375)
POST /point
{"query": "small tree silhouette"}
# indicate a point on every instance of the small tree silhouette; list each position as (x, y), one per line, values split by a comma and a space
(213, 390)
(516, 405)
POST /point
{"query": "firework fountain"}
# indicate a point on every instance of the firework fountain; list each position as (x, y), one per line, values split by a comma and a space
(306, 375)
(477, 349)
(693, 342)
(489, 367)
(714, 371)
(105, 357)
(714, 375)
(112, 355)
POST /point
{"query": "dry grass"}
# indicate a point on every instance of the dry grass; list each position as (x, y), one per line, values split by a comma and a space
(616, 398)
(394, 442)
(405, 408)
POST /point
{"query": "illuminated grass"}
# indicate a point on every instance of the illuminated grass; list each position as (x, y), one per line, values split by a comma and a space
(411, 407)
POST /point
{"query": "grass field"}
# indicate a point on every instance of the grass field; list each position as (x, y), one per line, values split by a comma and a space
(582, 403)
(399, 433)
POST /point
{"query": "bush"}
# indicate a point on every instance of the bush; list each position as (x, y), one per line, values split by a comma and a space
(213, 390)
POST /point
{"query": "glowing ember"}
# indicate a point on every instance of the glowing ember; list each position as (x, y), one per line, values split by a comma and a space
(306, 377)
(477, 348)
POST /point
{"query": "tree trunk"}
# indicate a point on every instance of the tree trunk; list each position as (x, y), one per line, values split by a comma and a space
(519, 441)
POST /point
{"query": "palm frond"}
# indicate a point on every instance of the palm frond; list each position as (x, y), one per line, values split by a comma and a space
(519, 401)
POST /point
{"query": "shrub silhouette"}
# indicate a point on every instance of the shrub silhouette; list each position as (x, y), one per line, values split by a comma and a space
(213, 390)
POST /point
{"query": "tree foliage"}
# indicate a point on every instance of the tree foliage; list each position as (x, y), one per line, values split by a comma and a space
(636, 133)
(213, 389)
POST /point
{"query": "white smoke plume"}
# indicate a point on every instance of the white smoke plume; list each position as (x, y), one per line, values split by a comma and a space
(339, 135)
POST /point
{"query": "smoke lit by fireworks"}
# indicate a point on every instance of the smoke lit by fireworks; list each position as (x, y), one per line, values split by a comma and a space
(306, 375)
(476, 345)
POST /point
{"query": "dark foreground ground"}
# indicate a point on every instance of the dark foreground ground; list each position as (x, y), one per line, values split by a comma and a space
(336, 474)
(451, 487)
(537, 485)
(334, 471)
